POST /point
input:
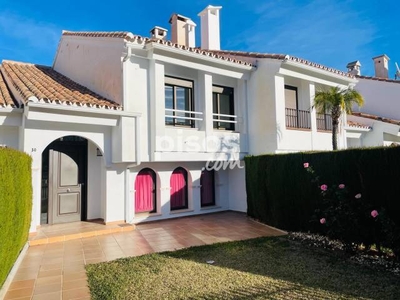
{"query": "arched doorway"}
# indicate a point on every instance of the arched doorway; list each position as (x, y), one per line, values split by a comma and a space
(64, 181)
(179, 189)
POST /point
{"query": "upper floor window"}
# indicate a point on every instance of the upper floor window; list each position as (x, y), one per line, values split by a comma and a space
(295, 118)
(223, 108)
(179, 102)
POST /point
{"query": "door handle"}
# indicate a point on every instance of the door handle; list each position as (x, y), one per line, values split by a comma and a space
(68, 190)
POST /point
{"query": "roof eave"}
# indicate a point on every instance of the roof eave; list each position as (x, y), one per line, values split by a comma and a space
(350, 80)
(153, 45)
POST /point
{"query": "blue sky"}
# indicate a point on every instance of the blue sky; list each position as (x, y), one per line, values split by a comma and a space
(330, 32)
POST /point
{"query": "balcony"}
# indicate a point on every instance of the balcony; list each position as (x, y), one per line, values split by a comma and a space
(176, 117)
(324, 122)
(296, 118)
(223, 121)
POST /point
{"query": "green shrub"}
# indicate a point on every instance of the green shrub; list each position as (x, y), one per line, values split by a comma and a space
(15, 206)
(282, 194)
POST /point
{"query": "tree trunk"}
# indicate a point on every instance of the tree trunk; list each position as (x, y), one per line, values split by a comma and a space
(335, 124)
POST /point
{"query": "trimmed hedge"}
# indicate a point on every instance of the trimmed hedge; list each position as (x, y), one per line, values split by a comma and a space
(281, 194)
(15, 206)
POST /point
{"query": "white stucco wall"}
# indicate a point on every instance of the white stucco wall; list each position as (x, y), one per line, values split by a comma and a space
(262, 106)
(164, 172)
(237, 189)
(37, 135)
(9, 136)
(380, 98)
(167, 143)
(94, 183)
(94, 63)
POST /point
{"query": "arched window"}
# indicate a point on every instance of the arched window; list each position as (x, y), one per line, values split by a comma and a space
(207, 190)
(179, 189)
(145, 187)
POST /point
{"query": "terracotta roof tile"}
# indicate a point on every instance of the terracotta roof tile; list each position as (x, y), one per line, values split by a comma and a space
(378, 78)
(377, 118)
(128, 36)
(49, 86)
(6, 99)
(358, 125)
(282, 57)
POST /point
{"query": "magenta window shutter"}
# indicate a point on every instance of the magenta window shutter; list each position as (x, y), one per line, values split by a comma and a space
(144, 196)
(207, 188)
(178, 189)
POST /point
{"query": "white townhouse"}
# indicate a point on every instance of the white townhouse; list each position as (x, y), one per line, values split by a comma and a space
(122, 127)
(377, 123)
(281, 99)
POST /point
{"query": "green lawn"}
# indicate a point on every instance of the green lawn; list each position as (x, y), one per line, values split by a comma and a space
(263, 268)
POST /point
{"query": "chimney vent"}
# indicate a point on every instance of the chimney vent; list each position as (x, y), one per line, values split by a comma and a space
(210, 35)
(182, 30)
(158, 33)
(354, 67)
(381, 63)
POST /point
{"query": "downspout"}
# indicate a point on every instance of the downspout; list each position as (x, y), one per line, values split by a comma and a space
(129, 211)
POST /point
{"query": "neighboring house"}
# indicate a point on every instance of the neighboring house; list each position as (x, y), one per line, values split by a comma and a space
(379, 119)
(121, 127)
(281, 98)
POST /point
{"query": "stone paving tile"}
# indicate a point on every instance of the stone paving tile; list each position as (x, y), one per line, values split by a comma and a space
(57, 270)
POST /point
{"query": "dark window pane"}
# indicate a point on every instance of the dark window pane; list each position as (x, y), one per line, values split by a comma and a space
(179, 98)
(169, 103)
(223, 104)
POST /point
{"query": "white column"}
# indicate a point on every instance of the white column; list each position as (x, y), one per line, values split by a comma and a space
(310, 90)
(205, 93)
(115, 194)
(342, 143)
(278, 93)
(36, 194)
(157, 103)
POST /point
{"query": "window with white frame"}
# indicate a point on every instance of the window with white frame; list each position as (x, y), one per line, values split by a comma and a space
(179, 104)
(223, 108)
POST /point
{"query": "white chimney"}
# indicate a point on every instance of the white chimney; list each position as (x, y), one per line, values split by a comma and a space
(183, 30)
(381, 63)
(354, 67)
(210, 28)
(158, 33)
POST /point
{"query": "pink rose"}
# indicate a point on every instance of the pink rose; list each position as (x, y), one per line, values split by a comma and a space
(358, 196)
(341, 186)
(324, 187)
(306, 165)
(322, 221)
(374, 213)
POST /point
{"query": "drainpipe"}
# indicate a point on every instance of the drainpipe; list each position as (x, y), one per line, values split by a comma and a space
(129, 214)
(129, 211)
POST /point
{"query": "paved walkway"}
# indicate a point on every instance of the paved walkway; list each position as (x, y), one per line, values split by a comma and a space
(57, 270)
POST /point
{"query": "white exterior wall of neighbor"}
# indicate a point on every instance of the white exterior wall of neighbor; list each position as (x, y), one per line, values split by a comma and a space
(93, 62)
(267, 118)
(380, 134)
(381, 98)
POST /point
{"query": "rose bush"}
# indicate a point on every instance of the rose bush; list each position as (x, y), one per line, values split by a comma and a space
(347, 217)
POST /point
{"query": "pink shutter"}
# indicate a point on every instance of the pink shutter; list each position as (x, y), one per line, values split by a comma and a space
(178, 189)
(144, 196)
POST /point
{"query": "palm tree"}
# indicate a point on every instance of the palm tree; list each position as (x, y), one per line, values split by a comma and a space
(336, 100)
